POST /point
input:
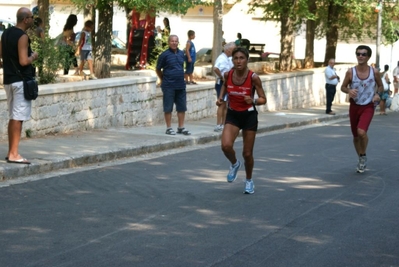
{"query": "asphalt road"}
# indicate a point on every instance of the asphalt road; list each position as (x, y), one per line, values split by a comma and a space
(310, 207)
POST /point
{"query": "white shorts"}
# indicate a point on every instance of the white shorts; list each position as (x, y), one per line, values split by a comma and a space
(19, 108)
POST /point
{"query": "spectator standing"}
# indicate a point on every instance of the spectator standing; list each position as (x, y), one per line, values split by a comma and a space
(385, 95)
(241, 85)
(166, 30)
(223, 40)
(395, 75)
(189, 58)
(68, 41)
(170, 70)
(85, 49)
(332, 79)
(39, 31)
(223, 64)
(17, 57)
(360, 83)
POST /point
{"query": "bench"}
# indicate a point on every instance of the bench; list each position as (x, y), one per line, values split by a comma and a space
(256, 48)
(256, 51)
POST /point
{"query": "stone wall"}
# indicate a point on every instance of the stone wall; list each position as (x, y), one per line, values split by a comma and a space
(137, 101)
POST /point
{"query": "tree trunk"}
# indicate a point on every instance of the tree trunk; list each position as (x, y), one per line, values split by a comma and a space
(43, 6)
(332, 32)
(217, 29)
(310, 33)
(286, 47)
(102, 56)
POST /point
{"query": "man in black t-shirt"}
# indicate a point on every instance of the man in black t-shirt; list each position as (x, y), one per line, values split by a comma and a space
(17, 57)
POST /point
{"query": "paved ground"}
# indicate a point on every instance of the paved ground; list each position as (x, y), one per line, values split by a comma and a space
(310, 207)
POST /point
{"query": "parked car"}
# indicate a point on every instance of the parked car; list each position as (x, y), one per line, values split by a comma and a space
(5, 24)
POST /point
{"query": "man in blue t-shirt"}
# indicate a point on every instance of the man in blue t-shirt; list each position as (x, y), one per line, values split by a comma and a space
(170, 71)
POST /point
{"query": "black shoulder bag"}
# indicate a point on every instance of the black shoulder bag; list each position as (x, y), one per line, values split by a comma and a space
(31, 88)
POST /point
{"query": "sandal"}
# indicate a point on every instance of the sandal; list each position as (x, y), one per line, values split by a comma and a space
(183, 131)
(192, 82)
(170, 131)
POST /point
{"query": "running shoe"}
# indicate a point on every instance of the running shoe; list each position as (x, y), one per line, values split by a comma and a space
(249, 187)
(218, 128)
(232, 176)
(361, 166)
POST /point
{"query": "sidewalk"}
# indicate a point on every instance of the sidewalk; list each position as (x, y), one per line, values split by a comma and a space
(58, 152)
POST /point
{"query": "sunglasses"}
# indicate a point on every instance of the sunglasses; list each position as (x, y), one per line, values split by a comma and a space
(362, 54)
(31, 17)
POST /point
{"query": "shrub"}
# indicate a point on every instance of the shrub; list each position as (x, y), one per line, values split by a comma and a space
(51, 59)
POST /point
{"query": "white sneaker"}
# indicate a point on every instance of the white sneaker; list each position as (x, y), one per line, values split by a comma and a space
(92, 77)
(218, 128)
(249, 187)
(361, 166)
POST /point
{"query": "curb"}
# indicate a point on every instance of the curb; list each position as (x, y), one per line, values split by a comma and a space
(43, 166)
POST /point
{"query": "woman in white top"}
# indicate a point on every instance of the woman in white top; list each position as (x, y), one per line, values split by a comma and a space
(384, 96)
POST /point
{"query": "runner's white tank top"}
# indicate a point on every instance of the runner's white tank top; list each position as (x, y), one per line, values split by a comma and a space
(366, 87)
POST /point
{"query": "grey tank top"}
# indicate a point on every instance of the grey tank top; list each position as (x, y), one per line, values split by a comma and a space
(366, 87)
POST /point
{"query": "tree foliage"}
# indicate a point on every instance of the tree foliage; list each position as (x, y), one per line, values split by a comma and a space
(287, 13)
(336, 20)
(102, 56)
(170, 6)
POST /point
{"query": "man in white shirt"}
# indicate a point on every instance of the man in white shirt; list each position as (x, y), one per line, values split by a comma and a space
(222, 65)
(332, 79)
(395, 75)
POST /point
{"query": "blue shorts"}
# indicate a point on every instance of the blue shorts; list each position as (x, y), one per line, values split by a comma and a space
(218, 88)
(189, 67)
(384, 95)
(177, 97)
(85, 55)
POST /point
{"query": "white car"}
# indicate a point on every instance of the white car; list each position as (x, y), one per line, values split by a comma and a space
(5, 24)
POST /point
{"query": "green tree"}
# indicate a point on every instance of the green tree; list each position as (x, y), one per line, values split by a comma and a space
(334, 20)
(348, 20)
(103, 45)
(43, 6)
(390, 24)
(311, 24)
(286, 12)
(151, 7)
